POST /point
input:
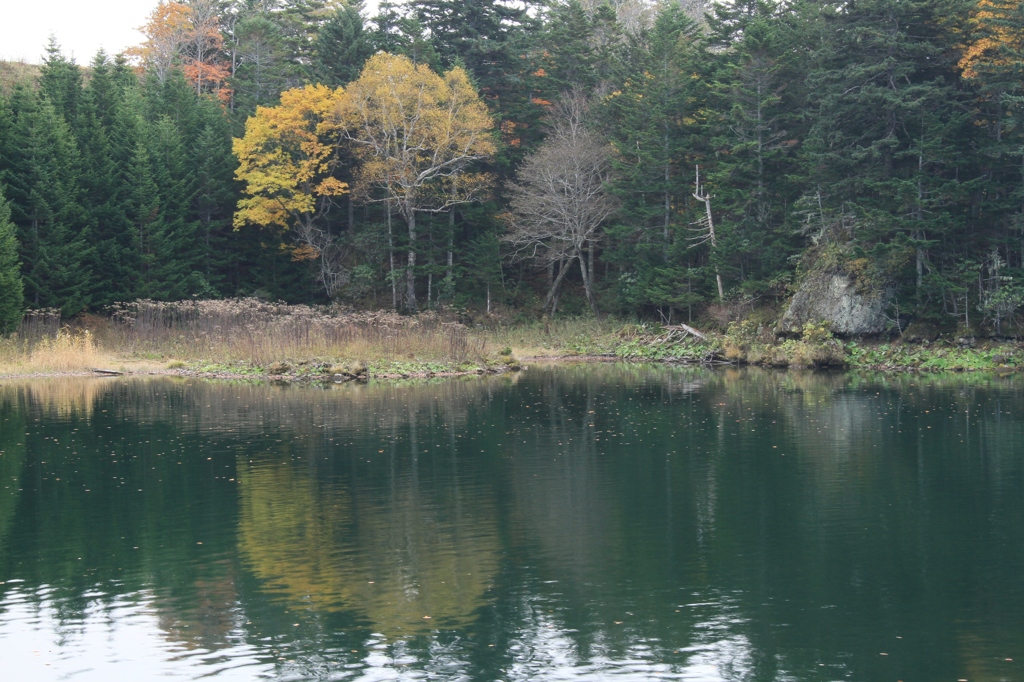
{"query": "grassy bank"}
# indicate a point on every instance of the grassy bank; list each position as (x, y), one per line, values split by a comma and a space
(251, 338)
(248, 337)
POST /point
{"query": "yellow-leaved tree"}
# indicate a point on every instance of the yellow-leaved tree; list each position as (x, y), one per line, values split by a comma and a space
(287, 160)
(995, 41)
(416, 133)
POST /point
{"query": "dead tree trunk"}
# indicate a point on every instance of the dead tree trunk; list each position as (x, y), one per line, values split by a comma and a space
(706, 230)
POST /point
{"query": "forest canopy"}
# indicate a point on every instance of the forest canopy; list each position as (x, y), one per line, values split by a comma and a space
(525, 157)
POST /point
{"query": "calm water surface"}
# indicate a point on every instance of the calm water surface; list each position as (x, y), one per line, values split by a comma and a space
(614, 522)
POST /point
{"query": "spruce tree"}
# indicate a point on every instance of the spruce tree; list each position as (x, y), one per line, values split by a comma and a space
(12, 299)
(341, 47)
(60, 80)
(213, 205)
(882, 173)
(756, 97)
(263, 69)
(42, 166)
(100, 127)
(652, 119)
(171, 251)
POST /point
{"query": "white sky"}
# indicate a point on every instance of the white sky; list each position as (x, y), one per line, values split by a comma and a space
(81, 27)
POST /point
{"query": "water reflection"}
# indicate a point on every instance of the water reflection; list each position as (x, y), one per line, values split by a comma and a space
(615, 521)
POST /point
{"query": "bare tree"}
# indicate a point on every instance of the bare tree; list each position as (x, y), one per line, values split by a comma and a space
(706, 229)
(559, 201)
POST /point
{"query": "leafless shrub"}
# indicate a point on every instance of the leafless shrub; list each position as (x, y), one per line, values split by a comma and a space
(39, 325)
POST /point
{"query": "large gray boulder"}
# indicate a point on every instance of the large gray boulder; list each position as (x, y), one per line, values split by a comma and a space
(834, 298)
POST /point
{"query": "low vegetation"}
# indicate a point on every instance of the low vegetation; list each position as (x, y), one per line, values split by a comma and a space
(257, 339)
(245, 337)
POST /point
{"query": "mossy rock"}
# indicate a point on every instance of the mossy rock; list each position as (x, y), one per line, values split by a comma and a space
(837, 300)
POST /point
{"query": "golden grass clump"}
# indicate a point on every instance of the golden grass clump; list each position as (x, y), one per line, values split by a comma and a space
(42, 345)
(67, 351)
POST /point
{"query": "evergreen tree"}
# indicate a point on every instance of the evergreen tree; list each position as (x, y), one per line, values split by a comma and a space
(652, 119)
(341, 47)
(882, 167)
(213, 204)
(262, 68)
(42, 167)
(756, 99)
(171, 251)
(99, 127)
(12, 299)
(60, 80)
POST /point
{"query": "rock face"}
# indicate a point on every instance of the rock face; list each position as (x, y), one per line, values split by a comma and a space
(833, 298)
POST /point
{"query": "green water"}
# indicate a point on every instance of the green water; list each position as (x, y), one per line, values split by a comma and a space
(611, 522)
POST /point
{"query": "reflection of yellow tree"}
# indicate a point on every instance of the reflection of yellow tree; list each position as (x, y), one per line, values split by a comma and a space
(403, 559)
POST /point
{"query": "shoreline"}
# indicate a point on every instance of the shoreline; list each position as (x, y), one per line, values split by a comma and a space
(259, 375)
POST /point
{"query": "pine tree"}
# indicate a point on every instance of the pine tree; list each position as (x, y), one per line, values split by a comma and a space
(342, 46)
(756, 98)
(12, 299)
(60, 80)
(882, 172)
(42, 166)
(100, 124)
(652, 118)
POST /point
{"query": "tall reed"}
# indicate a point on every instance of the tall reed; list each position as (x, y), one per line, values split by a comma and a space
(255, 331)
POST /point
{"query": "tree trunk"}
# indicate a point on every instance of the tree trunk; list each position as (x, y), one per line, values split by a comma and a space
(587, 285)
(391, 262)
(590, 261)
(551, 300)
(410, 276)
(451, 246)
(920, 271)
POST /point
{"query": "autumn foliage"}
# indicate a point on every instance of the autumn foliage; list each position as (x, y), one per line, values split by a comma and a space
(412, 133)
(186, 36)
(997, 43)
(288, 155)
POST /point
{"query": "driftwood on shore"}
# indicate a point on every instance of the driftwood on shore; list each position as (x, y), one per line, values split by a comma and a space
(107, 372)
(675, 332)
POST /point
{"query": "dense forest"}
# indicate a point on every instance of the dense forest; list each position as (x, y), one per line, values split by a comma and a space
(625, 157)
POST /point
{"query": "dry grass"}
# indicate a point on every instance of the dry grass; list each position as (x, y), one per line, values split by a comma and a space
(67, 351)
(236, 331)
(260, 333)
(17, 71)
(42, 345)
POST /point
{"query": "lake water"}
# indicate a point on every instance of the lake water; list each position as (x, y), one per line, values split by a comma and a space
(592, 522)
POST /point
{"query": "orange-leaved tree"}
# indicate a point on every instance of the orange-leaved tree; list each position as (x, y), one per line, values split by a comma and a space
(287, 160)
(186, 36)
(416, 134)
(202, 51)
(166, 31)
